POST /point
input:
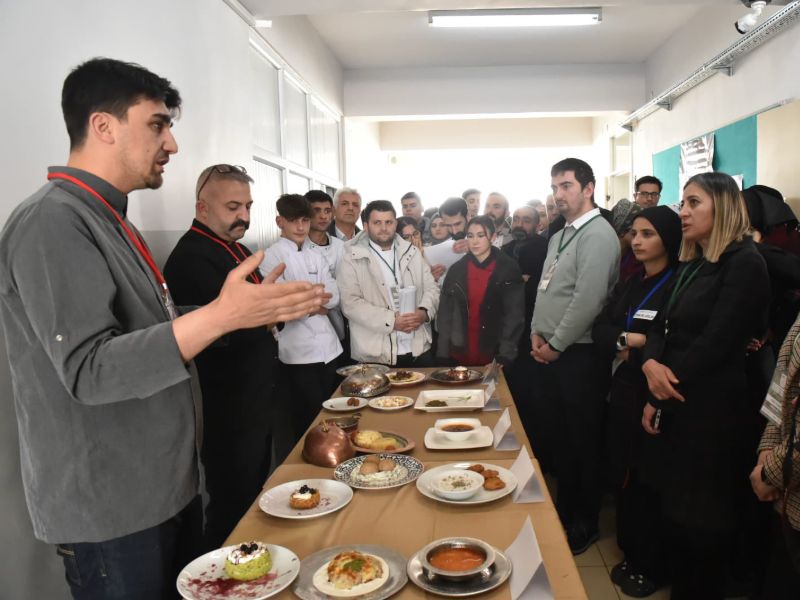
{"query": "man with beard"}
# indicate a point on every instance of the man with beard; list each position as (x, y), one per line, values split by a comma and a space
(497, 209)
(378, 268)
(237, 373)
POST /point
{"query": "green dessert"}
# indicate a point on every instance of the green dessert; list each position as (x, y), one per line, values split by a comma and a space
(248, 561)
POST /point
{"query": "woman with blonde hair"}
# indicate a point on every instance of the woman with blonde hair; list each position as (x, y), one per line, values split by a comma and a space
(694, 362)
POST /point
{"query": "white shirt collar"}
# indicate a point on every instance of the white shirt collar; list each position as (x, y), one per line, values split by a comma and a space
(583, 219)
(290, 243)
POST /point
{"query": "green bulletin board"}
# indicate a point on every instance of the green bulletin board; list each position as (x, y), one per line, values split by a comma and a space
(735, 153)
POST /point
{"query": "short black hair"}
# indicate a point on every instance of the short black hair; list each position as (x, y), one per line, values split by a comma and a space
(484, 221)
(405, 221)
(112, 86)
(454, 206)
(293, 206)
(377, 205)
(409, 195)
(583, 172)
(314, 196)
(648, 179)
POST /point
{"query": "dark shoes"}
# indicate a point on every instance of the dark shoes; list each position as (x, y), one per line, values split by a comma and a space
(580, 536)
(632, 584)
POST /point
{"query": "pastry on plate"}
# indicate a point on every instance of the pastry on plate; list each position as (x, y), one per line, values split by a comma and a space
(349, 569)
(248, 561)
(305, 497)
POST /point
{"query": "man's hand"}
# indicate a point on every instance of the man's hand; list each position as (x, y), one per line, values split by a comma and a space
(242, 305)
(648, 416)
(661, 381)
(636, 340)
(545, 354)
(763, 491)
(437, 271)
(410, 322)
(537, 342)
(460, 246)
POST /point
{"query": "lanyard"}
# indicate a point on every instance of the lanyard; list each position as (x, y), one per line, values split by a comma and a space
(253, 276)
(135, 239)
(632, 313)
(679, 288)
(393, 267)
(562, 246)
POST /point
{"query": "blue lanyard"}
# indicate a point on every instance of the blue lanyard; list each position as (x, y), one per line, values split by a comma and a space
(631, 313)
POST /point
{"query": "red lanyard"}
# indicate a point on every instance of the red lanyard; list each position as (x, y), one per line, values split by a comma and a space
(253, 276)
(137, 241)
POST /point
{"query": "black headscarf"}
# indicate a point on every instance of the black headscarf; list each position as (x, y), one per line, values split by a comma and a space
(766, 208)
(668, 225)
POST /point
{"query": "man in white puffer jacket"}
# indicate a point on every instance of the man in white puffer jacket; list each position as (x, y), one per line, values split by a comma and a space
(376, 267)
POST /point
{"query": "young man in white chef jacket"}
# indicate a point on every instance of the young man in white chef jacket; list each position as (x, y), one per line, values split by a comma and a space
(308, 348)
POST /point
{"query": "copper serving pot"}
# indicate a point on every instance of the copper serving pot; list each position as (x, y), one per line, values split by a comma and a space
(327, 444)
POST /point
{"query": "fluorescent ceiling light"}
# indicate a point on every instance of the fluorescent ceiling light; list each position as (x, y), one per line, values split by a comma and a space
(516, 17)
(262, 23)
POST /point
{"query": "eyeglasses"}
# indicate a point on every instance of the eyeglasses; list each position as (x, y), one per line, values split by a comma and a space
(220, 169)
(408, 237)
(653, 195)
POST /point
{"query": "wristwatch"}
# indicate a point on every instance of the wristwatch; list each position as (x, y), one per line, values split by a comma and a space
(622, 341)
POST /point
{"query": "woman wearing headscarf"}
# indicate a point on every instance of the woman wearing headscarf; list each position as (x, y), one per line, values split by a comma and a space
(439, 231)
(694, 363)
(619, 334)
(622, 216)
(480, 315)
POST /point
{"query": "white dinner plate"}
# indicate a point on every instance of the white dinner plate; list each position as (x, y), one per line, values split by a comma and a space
(425, 484)
(386, 403)
(333, 496)
(340, 404)
(481, 438)
(205, 579)
(455, 400)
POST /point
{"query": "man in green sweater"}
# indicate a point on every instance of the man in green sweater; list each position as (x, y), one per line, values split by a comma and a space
(580, 270)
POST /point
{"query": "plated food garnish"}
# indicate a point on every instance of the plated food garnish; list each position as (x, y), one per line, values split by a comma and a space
(352, 401)
(462, 483)
(404, 377)
(391, 402)
(349, 569)
(376, 471)
(436, 403)
(375, 440)
(248, 561)
(304, 498)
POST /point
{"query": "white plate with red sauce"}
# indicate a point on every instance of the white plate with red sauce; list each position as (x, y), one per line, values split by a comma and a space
(205, 579)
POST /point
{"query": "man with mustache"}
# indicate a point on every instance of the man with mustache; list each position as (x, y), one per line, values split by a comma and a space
(238, 372)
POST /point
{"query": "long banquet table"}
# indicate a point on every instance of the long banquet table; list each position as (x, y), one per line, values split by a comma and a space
(405, 520)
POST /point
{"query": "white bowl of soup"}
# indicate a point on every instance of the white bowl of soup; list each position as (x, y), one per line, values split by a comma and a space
(457, 430)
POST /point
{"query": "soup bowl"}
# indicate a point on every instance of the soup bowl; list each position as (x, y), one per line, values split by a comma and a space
(457, 430)
(456, 558)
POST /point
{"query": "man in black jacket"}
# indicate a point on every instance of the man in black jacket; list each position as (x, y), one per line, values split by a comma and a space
(237, 372)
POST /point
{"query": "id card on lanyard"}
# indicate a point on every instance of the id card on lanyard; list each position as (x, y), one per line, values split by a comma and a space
(772, 408)
(544, 282)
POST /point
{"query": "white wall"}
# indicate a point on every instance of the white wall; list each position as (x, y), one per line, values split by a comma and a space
(494, 90)
(765, 76)
(202, 47)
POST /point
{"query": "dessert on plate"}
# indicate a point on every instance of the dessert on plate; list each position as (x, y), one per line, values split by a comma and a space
(304, 498)
(247, 561)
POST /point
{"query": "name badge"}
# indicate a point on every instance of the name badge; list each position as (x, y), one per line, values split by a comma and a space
(545, 280)
(645, 315)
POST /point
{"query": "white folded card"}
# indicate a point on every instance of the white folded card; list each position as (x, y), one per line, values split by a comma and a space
(504, 438)
(528, 576)
(528, 489)
(492, 401)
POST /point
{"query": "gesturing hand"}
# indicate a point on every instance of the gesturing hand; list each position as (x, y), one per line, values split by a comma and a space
(661, 381)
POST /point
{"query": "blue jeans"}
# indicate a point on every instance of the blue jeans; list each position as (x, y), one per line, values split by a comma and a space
(139, 566)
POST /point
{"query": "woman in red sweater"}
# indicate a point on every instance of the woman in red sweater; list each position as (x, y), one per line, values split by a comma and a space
(481, 309)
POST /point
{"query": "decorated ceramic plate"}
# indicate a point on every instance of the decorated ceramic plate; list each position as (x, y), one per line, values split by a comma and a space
(406, 470)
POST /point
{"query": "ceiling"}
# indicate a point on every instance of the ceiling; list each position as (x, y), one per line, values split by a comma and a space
(379, 34)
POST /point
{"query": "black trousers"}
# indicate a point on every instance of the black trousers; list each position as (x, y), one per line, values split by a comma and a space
(572, 406)
(698, 561)
(303, 389)
(782, 581)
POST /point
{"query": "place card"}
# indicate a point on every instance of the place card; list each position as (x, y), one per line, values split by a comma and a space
(504, 438)
(492, 400)
(528, 578)
(528, 489)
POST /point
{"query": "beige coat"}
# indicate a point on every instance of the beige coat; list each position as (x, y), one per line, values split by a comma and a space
(366, 302)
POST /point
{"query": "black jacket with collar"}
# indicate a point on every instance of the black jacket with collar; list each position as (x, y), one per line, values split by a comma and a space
(502, 310)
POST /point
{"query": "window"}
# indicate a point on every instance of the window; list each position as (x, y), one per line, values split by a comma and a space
(295, 123)
(265, 105)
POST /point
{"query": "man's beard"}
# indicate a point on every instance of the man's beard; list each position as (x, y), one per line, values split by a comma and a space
(519, 234)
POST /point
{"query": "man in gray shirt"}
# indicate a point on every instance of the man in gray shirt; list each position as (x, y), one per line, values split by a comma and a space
(580, 270)
(107, 410)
